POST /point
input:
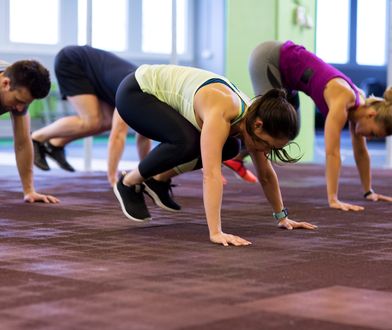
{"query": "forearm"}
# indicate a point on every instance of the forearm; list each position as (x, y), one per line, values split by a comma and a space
(212, 197)
(332, 173)
(24, 161)
(269, 181)
(363, 165)
(272, 192)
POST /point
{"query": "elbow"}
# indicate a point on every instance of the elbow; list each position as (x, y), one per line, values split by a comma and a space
(332, 154)
(267, 176)
(19, 147)
(362, 155)
(265, 179)
(361, 152)
(210, 176)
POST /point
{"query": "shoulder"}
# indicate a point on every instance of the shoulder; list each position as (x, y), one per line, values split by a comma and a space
(215, 94)
(219, 97)
(338, 91)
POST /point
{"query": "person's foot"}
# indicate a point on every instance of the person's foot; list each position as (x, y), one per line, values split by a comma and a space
(240, 170)
(39, 156)
(161, 193)
(132, 201)
(58, 155)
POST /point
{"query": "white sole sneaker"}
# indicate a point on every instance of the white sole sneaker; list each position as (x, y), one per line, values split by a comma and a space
(118, 196)
(151, 193)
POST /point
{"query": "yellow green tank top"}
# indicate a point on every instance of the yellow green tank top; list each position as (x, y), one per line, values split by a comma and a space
(177, 85)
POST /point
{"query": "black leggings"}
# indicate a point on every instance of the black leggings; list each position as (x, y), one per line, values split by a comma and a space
(152, 118)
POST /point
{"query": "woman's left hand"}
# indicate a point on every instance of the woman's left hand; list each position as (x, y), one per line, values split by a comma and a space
(291, 224)
(34, 197)
(378, 197)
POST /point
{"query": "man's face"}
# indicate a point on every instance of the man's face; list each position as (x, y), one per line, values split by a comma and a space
(14, 99)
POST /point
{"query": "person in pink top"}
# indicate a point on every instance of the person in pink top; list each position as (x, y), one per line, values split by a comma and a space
(290, 66)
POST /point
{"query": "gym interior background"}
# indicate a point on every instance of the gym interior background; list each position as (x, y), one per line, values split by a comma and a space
(81, 265)
(214, 35)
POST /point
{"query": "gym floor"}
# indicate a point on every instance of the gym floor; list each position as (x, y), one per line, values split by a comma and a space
(83, 265)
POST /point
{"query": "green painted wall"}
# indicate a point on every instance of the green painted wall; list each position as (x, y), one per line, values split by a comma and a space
(250, 22)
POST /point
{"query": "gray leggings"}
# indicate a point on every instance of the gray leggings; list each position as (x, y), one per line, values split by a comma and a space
(264, 71)
(264, 67)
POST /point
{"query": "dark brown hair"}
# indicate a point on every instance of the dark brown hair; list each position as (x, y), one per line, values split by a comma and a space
(280, 120)
(29, 74)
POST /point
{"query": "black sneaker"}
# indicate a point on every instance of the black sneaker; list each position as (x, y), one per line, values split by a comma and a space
(39, 156)
(161, 193)
(132, 201)
(58, 155)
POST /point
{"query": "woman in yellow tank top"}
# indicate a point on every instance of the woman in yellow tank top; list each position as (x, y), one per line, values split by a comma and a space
(198, 117)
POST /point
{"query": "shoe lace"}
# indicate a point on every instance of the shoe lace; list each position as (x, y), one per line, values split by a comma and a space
(171, 185)
(41, 150)
(166, 186)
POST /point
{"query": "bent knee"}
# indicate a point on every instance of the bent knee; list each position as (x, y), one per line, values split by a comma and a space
(90, 124)
(189, 151)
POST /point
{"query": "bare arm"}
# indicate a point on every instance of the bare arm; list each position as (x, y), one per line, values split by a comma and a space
(213, 136)
(116, 144)
(334, 124)
(362, 159)
(23, 151)
(268, 180)
(270, 184)
(24, 160)
(216, 108)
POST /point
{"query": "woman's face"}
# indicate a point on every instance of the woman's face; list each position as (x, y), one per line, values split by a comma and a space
(263, 141)
(368, 127)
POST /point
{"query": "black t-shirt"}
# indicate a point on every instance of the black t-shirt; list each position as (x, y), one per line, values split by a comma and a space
(78, 66)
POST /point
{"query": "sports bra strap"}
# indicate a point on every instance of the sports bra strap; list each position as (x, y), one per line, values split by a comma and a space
(234, 89)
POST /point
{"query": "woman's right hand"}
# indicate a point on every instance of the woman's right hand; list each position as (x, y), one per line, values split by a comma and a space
(337, 204)
(227, 239)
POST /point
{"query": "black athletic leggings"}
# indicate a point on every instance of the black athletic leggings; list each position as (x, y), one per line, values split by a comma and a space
(152, 118)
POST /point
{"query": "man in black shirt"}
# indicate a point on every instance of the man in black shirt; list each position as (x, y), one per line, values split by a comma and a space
(88, 78)
(21, 83)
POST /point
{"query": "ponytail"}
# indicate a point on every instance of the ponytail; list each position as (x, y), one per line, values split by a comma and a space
(279, 118)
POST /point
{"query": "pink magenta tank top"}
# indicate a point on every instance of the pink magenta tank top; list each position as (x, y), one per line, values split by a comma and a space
(303, 71)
